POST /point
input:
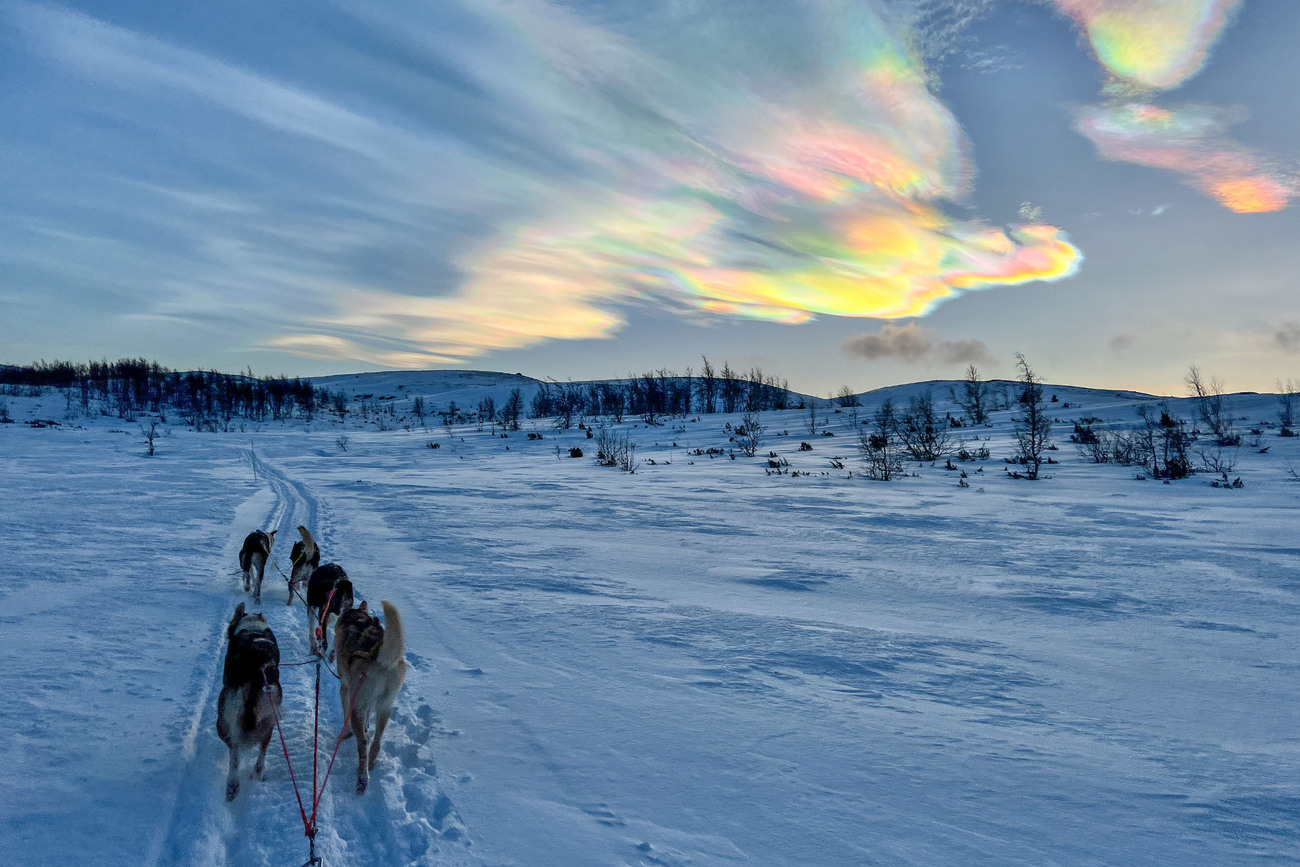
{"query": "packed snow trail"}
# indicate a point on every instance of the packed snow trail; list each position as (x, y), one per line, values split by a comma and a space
(263, 825)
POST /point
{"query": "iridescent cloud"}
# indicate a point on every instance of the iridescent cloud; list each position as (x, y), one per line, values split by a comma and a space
(531, 169)
(1155, 44)
(744, 189)
(1192, 141)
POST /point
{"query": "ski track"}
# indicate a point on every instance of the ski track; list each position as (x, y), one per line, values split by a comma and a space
(404, 816)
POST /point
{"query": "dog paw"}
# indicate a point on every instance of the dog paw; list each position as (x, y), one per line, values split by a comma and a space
(362, 783)
(232, 789)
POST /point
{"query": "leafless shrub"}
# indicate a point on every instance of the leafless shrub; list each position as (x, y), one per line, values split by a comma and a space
(924, 435)
(1033, 427)
(615, 450)
(749, 436)
(1218, 460)
(151, 436)
(881, 451)
(1212, 407)
(974, 397)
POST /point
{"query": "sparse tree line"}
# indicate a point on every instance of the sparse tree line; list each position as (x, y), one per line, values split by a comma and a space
(205, 399)
(662, 393)
(1164, 445)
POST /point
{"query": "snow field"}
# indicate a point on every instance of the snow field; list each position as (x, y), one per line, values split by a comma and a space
(695, 664)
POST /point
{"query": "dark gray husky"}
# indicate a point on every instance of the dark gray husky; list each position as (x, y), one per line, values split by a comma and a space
(329, 593)
(250, 692)
(252, 559)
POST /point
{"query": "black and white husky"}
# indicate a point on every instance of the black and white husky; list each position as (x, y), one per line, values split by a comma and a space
(306, 558)
(329, 593)
(250, 692)
(252, 559)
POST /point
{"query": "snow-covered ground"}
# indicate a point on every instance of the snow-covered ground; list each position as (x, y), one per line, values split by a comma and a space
(699, 663)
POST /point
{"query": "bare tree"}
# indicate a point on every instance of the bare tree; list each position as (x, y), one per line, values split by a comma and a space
(1287, 393)
(846, 398)
(567, 402)
(707, 387)
(749, 436)
(974, 397)
(879, 445)
(151, 435)
(613, 400)
(487, 412)
(731, 388)
(512, 409)
(1032, 428)
(1212, 407)
(417, 408)
(925, 436)
(810, 420)
(1165, 442)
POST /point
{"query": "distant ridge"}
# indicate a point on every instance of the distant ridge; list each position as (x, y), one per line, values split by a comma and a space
(444, 384)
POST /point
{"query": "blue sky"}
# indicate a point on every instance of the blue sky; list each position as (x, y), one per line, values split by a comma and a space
(858, 193)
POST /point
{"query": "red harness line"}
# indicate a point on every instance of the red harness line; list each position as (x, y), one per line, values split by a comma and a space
(309, 824)
(325, 614)
(310, 830)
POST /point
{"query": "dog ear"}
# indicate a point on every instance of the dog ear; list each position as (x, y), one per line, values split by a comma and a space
(363, 607)
(239, 611)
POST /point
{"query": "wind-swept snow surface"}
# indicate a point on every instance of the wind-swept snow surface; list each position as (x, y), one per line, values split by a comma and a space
(699, 663)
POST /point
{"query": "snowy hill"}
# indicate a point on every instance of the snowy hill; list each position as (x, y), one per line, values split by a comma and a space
(716, 659)
(466, 387)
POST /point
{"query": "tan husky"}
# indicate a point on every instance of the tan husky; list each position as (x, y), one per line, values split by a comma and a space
(371, 670)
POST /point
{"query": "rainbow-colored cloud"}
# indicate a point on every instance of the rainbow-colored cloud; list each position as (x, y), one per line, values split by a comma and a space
(1152, 45)
(1155, 44)
(1192, 141)
(731, 186)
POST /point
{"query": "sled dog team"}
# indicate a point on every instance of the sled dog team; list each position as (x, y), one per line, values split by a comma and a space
(370, 656)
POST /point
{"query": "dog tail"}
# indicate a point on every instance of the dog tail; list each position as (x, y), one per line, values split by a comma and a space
(394, 646)
(308, 543)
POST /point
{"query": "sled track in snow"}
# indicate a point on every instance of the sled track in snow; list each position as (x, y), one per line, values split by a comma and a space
(399, 821)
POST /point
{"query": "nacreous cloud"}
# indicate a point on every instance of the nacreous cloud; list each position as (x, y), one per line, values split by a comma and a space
(754, 164)
(1192, 141)
(1155, 44)
(532, 168)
